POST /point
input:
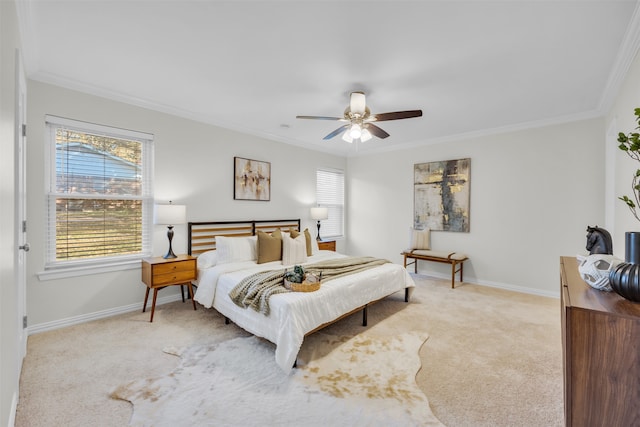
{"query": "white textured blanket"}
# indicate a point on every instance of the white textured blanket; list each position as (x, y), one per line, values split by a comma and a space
(255, 290)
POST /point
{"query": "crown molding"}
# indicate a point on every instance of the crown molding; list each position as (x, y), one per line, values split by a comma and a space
(625, 57)
(349, 151)
(70, 84)
(535, 124)
(28, 29)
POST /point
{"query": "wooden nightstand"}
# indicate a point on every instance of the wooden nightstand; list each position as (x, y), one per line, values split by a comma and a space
(158, 273)
(327, 245)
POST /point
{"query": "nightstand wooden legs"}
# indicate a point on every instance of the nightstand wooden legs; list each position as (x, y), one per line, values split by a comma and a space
(190, 286)
(146, 297)
(153, 305)
(155, 296)
(188, 294)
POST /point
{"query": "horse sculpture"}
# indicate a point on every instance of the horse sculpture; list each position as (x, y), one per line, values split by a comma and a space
(599, 241)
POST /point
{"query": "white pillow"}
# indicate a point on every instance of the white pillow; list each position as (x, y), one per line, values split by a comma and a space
(294, 251)
(419, 239)
(207, 259)
(236, 249)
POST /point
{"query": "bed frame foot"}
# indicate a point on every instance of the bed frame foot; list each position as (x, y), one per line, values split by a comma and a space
(226, 320)
(295, 363)
(406, 294)
(364, 315)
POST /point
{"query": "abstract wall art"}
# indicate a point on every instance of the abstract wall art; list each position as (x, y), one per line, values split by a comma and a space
(252, 179)
(441, 195)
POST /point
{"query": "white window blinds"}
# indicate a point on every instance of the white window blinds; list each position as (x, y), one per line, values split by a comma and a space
(330, 194)
(100, 199)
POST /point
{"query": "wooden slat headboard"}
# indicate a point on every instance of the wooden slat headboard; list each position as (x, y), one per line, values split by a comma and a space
(202, 235)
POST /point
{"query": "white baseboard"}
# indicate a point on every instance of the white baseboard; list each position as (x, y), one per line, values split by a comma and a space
(57, 324)
(14, 408)
(514, 288)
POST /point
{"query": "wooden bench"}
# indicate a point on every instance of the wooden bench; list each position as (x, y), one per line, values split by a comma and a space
(454, 258)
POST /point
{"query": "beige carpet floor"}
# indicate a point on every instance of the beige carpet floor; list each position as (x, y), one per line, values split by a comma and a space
(493, 357)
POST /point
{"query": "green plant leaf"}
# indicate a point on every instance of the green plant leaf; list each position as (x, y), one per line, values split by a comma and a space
(622, 137)
(628, 201)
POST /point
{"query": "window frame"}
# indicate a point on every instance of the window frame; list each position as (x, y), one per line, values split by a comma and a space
(53, 267)
(332, 206)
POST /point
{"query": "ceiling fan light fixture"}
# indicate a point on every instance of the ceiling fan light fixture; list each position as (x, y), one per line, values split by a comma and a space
(355, 132)
(358, 121)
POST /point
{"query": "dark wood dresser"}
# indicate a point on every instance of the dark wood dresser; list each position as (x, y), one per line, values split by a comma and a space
(601, 353)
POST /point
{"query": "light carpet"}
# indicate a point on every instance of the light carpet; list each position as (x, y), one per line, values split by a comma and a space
(357, 381)
(493, 357)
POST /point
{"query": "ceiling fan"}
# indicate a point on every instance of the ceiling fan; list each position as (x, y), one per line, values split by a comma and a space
(359, 126)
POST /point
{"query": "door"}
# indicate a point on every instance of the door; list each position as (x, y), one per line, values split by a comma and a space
(21, 204)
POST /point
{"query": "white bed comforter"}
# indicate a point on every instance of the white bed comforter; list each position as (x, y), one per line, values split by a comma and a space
(296, 313)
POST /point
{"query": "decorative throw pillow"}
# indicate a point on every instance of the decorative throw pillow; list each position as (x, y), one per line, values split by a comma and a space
(294, 251)
(269, 246)
(236, 249)
(419, 239)
(307, 238)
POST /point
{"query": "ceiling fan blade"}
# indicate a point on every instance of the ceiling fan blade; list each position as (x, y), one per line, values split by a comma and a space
(357, 104)
(337, 131)
(319, 118)
(397, 115)
(380, 133)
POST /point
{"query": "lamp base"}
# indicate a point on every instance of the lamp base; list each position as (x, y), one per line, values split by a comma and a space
(170, 253)
(318, 235)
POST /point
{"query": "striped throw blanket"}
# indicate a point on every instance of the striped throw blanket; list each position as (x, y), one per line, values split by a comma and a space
(255, 290)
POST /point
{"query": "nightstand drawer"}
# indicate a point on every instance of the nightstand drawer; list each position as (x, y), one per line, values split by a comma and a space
(173, 267)
(173, 277)
(327, 245)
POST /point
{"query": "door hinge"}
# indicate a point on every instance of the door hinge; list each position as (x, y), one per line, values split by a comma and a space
(24, 226)
(24, 130)
(24, 322)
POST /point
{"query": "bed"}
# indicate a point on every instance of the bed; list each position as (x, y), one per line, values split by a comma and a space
(227, 254)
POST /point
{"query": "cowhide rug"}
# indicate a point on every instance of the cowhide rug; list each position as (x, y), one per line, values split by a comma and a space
(362, 381)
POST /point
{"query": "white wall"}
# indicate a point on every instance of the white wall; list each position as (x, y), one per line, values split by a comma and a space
(533, 193)
(10, 360)
(193, 166)
(621, 119)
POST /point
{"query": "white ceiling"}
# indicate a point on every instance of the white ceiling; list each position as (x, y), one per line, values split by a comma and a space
(473, 67)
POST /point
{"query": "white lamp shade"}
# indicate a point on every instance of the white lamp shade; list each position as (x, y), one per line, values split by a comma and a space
(319, 213)
(169, 214)
(366, 135)
(356, 131)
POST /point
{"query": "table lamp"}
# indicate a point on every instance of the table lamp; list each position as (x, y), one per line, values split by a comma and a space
(169, 215)
(319, 214)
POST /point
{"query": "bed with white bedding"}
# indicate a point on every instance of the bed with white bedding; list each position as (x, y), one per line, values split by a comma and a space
(293, 315)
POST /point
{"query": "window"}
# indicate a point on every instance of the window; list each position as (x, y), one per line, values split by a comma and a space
(99, 193)
(330, 194)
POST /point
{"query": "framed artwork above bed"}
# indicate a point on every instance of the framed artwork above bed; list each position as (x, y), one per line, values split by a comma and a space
(251, 179)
